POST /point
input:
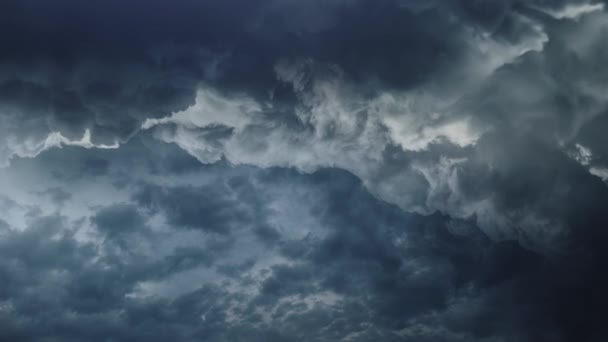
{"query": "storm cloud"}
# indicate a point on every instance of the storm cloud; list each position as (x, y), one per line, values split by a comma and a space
(284, 170)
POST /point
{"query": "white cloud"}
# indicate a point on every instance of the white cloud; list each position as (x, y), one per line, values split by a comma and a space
(584, 156)
(574, 11)
(212, 109)
(31, 147)
(600, 172)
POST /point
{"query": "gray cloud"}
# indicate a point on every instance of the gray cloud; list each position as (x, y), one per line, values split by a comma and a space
(81, 76)
(372, 271)
(303, 171)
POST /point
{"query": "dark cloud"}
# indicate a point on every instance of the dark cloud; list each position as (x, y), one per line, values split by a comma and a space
(288, 170)
(56, 195)
(372, 272)
(118, 221)
(109, 67)
(214, 209)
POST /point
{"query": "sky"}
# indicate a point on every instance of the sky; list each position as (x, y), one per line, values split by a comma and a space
(290, 170)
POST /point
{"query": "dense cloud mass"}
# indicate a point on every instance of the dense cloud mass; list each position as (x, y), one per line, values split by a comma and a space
(289, 170)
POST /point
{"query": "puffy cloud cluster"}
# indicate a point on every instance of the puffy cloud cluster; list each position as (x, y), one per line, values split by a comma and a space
(416, 147)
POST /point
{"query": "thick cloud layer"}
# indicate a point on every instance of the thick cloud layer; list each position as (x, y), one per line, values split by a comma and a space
(299, 257)
(288, 170)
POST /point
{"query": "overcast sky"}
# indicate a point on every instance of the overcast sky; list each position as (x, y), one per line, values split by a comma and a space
(303, 170)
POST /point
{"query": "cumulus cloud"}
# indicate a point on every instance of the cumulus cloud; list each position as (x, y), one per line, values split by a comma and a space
(513, 85)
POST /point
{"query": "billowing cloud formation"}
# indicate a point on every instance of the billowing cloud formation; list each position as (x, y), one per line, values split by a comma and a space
(108, 67)
(336, 170)
(515, 90)
(297, 257)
